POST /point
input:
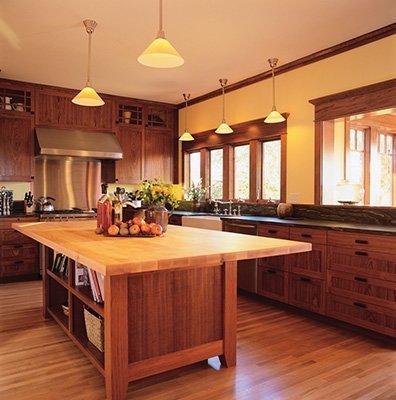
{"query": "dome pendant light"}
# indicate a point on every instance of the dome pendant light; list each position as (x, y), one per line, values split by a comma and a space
(223, 128)
(186, 137)
(274, 116)
(160, 53)
(88, 96)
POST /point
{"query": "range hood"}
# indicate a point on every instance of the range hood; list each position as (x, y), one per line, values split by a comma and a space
(72, 143)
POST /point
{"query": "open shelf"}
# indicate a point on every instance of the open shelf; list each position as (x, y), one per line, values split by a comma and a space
(59, 277)
(85, 295)
(58, 315)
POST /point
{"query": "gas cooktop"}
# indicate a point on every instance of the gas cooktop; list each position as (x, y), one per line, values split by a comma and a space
(66, 212)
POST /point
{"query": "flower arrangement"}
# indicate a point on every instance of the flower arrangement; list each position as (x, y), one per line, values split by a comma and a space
(196, 191)
(155, 192)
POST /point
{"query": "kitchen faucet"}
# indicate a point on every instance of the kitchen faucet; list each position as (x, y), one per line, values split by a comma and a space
(227, 211)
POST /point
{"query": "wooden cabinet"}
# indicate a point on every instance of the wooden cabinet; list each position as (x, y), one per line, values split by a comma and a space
(54, 108)
(272, 283)
(175, 220)
(274, 231)
(129, 169)
(306, 292)
(158, 154)
(16, 147)
(18, 253)
(361, 281)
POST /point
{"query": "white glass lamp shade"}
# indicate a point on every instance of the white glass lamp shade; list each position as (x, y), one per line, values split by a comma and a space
(186, 137)
(161, 54)
(274, 117)
(88, 97)
(224, 129)
(349, 193)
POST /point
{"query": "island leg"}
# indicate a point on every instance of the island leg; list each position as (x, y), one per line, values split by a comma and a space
(230, 314)
(116, 336)
(44, 260)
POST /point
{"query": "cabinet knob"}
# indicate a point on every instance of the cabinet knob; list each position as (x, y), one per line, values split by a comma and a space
(361, 253)
(359, 279)
(306, 235)
(272, 231)
(303, 279)
(360, 241)
(361, 305)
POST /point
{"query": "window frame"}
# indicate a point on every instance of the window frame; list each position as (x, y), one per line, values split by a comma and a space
(263, 200)
(251, 132)
(209, 170)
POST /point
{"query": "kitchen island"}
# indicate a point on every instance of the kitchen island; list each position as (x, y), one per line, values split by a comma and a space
(170, 301)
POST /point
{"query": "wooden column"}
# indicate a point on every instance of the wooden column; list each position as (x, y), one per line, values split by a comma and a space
(230, 314)
(283, 166)
(255, 168)
(205, 174)
(44, 264)
(116, 336)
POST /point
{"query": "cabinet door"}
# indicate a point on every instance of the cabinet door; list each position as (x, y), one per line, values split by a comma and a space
(272, 283)
(16, 148)
(158, 154)
(129, 169)
(306, 292)
(311, 263)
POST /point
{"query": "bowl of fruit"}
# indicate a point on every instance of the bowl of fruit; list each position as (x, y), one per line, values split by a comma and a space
(136, 227)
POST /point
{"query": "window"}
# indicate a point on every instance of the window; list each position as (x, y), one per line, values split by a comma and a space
(361, 150)
(216, 173)
(195, 168)
(271, 184)
(241, 171)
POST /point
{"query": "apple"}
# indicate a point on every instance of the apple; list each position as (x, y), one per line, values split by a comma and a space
(124, 231)
(139, 221)
(113, 230)
(98, 231)
(129, 222)
(145, 228)
(134, 229)
(152, 224)
(156, 229)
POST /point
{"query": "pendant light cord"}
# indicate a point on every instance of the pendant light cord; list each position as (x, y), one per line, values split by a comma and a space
(185, 116)
(89, 60)
(161, 33)
(222, 86)
(273, 89)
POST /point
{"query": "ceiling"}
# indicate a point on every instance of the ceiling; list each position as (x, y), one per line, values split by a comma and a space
(46, 42)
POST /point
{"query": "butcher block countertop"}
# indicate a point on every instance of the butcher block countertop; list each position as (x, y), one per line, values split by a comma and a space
(180, 247)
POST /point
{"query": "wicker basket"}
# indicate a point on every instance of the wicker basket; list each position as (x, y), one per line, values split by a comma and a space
(95, 329)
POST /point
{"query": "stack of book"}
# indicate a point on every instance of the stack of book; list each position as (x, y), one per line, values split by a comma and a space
(85, 276)
(61, 264)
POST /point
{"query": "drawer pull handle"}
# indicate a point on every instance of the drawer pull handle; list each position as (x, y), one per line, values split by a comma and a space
(272, 231)
(360, 241)
(306, 235)
(305, 279)
(361, 253)
(271, 271)
(18, 246)
(18, 262)
(359, 279)
(361, 305)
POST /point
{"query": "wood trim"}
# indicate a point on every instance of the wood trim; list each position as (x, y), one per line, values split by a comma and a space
(205, 173)
(156, 365)
(283, 167)
(255, 170)
(331, 51)
(228, 172)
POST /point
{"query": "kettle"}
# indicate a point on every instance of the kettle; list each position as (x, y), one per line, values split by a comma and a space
(45, 204)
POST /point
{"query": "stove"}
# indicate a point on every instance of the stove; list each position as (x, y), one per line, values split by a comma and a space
(66, 215)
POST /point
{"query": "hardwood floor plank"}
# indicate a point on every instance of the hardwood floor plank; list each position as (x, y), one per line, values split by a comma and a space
(281, 356)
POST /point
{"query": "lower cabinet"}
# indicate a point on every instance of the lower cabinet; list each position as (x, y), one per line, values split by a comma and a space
(272, 283)
(347, 276)
(18, 253)
(306, 292)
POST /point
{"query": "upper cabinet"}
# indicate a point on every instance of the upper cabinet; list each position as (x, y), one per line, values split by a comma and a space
(54, 108)
(16, 147)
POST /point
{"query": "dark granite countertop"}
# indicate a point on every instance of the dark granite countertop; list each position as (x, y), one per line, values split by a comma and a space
(19, 215)
(308, 223)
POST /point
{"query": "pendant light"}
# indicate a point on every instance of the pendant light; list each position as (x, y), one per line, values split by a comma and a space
(88, 96)
(223, 128)
(274, 116)
(160, 53)
(186, 137)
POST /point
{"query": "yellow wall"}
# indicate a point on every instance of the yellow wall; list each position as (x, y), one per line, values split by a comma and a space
(362, 66)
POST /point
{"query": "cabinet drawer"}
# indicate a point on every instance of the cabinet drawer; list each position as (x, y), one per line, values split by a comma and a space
(14, 237)
(376, 318)
(309, 235)
(311, 263)
(274, 231)
(16, 268)
(306, 292)
(272, 283)
(372, 290)
(370, 263)
(23, 250)
(363, 242)
(277, 262)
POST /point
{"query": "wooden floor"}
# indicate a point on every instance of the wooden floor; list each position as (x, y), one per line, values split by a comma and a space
(281, 355)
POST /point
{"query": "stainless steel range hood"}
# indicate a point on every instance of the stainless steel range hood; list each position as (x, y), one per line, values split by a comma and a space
(72, 143)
